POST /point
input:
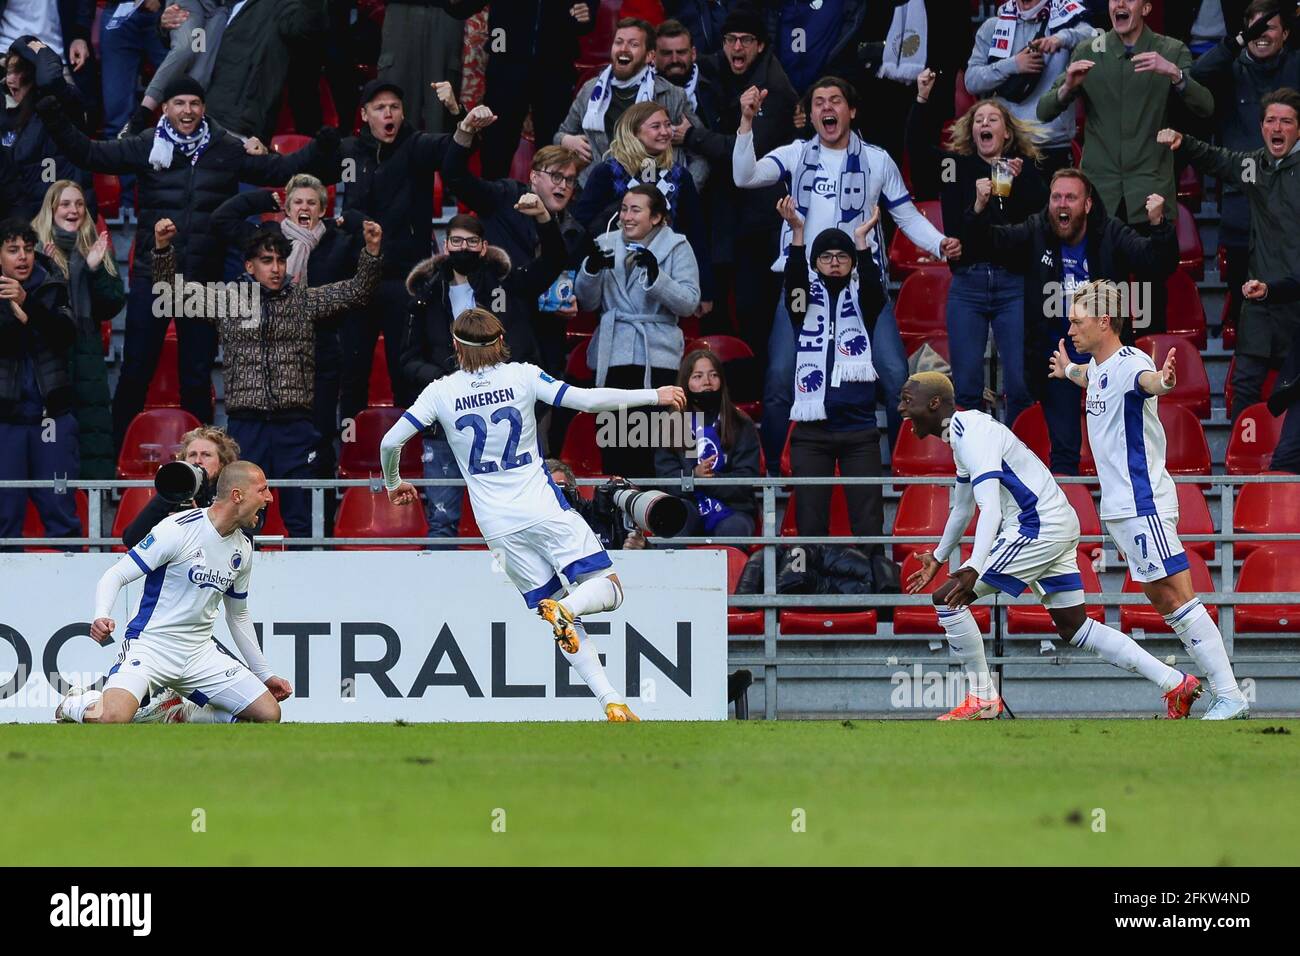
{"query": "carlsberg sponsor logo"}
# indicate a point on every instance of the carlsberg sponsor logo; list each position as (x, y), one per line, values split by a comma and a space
(103, 909)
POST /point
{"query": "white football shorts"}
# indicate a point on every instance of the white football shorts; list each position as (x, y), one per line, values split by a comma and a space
(1150, 544)
(536, 556)
(209, 674)
(1050, 568)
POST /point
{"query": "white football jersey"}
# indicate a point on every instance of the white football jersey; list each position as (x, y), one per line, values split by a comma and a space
(1127, 439)
(188, 569)
(488, 419)
(1033, 506)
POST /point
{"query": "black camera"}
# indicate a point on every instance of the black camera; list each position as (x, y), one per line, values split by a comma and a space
(619, 507)
(179, 483)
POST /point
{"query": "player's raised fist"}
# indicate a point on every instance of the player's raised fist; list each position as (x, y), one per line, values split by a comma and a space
(101, 629)
(672, 396)
(403, 494)
(164, 231)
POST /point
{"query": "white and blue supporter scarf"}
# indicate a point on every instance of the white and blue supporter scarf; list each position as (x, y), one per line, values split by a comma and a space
(167, 140)
(1058, 12)
(905, 43)
(850, 191)
(691, 85)
(594, 119)
(851, 342)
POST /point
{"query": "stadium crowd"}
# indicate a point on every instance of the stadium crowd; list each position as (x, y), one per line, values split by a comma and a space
(721, 194)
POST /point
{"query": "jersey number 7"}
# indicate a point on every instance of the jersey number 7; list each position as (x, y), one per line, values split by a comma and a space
(509, 459)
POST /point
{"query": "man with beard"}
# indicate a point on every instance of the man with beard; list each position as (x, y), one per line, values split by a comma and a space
(391, 165)
(1068, 244)
(629, 78)
(745, 225)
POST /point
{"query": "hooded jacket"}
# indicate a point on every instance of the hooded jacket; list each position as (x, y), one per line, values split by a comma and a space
(508, 291)
(394, 187)
(37, 350)
(638, 320)
(270, 363)
(185, 192)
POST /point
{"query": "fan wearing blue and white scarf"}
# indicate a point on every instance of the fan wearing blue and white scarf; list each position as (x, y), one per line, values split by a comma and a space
(167, 140)
(593, 121)
(833, 313)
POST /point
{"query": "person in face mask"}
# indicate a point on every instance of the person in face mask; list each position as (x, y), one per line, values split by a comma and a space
(833, 310)
(65, 233)
(471, 273)
(722, 443)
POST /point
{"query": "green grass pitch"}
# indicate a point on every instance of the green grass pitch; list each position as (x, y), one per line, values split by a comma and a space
(870, 792)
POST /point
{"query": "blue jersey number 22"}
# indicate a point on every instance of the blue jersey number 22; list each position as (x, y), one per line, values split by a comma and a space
(509, 459)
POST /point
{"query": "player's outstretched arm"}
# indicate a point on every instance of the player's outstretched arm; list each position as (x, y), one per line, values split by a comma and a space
(241, 627)
(988, 498)
(390, 453)
(611, 399)
(1163, 380)
(963, 509)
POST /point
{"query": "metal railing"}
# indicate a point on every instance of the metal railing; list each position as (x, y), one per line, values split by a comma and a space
(769, 601)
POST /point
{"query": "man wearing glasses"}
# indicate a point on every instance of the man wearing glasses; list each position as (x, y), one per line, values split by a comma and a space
(745, 225)
(553, 179)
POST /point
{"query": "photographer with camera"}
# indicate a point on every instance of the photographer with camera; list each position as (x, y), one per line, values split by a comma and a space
(209, 448)
(605, 520)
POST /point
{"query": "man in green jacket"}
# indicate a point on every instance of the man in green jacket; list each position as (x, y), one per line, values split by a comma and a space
(1270, 178)
(1125, 77)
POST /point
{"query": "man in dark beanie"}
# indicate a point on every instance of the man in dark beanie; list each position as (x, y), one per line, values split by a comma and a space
(185, 166)
(745, 224)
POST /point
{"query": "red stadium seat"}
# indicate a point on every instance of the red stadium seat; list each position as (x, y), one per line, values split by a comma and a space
(1143, 616)
(747, 621)
(1193, 388)
(1228, 324)
(381, 383)
(727, 348)
(1254, 436)
(923, 509)
(1185, 313)
(593, 49)
(165, 388)
(1270, 382)
(828, 622)
(922, 307)
(920, 457)
(1194, 518)
(1264, 509)
(1080, 498)
(1272, 567)
(162, 427)
(363, 514)
(33, 527)
(904, 257)
(580, 329)
(1034, 619)
(132, 503)
(286, 143)
(522, 163)
(580, 451)
(437, 194)
(1186, 451)
(963, 99)
(359, 457)
(923, 620)
(108, 195)
(576, 370)
(1191, 255)
(1030, 427)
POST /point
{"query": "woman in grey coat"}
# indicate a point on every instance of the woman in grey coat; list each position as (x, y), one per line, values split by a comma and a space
(640, 280)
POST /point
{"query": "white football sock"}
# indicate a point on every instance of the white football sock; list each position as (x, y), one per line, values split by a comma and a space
(76, 707)
(593, 595)
(587, 663)
(207, 714)
(967, 645)
(1116, 647)
(1200, 635)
